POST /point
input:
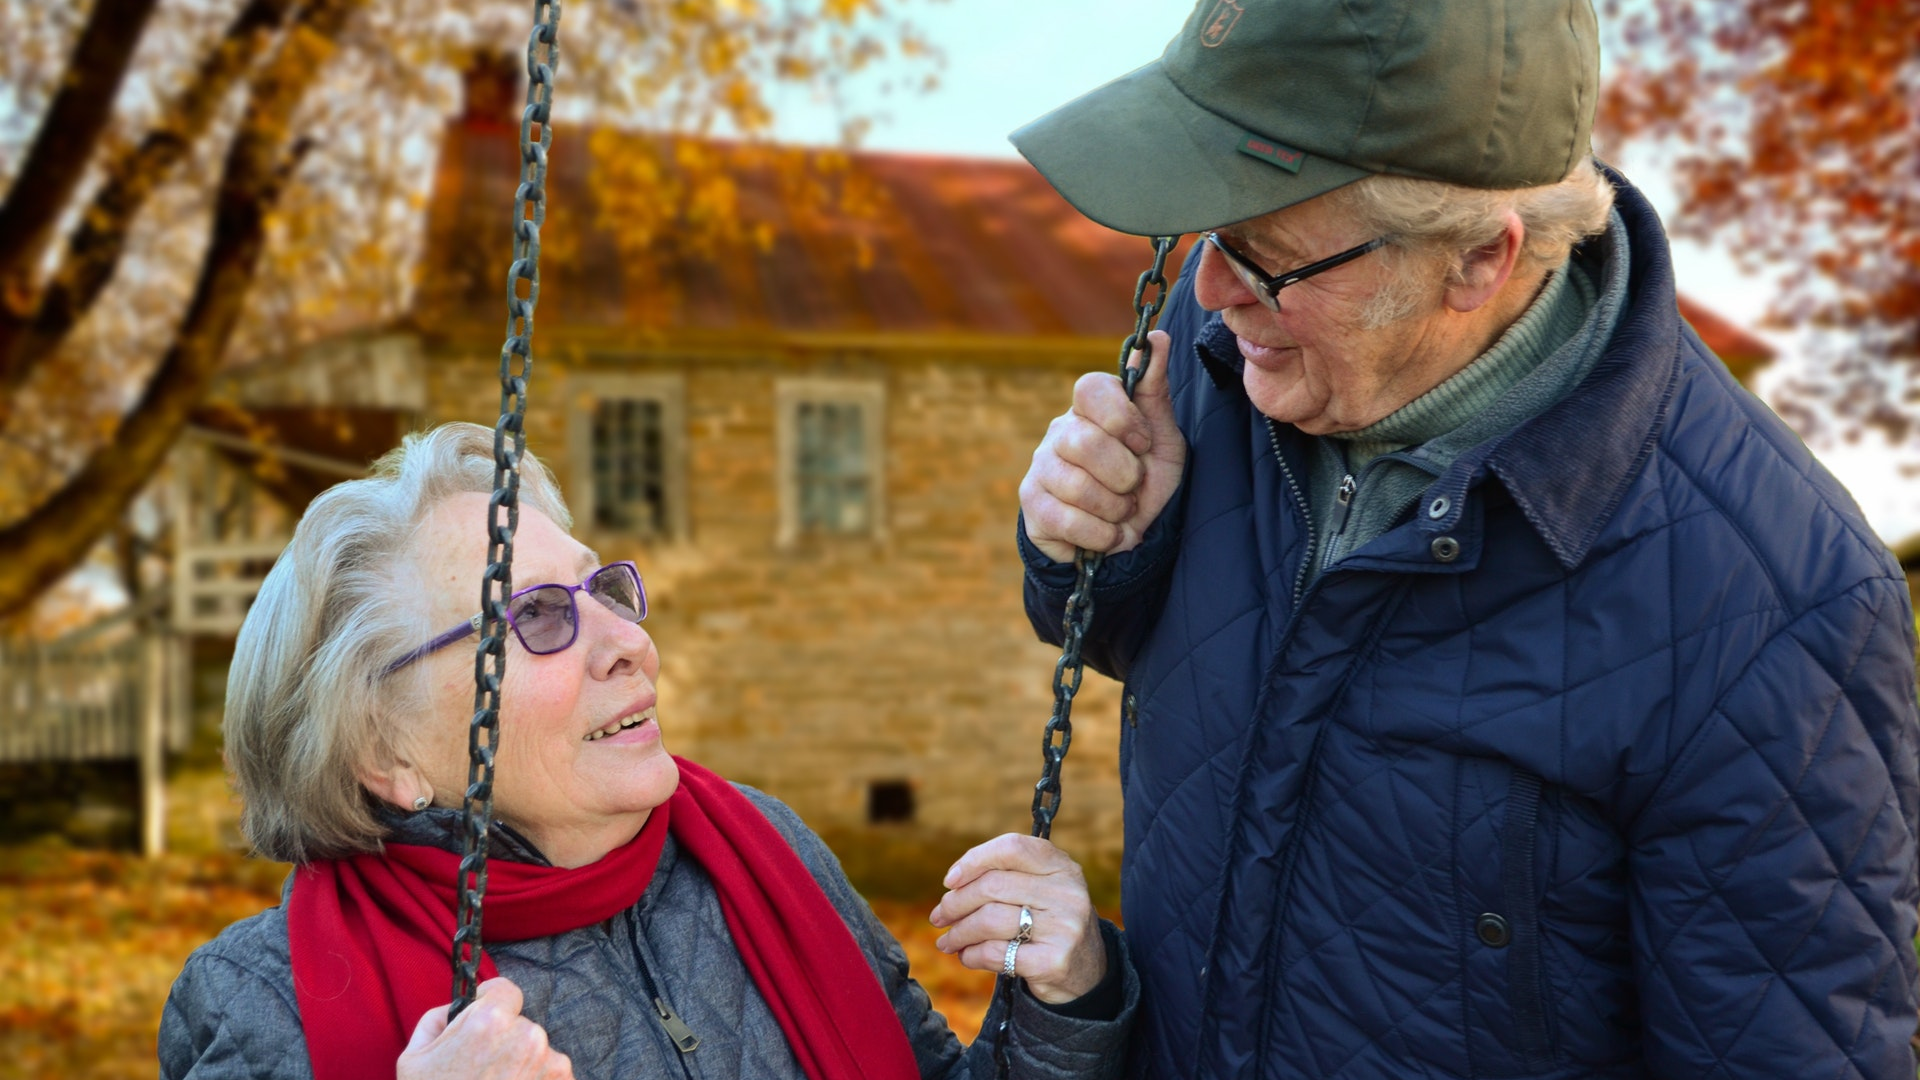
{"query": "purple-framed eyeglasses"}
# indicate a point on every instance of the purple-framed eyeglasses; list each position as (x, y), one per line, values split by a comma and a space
(546, 618)
(1266, 287)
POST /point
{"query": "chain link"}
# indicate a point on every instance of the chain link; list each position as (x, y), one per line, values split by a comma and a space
(509, 444)
(1068, 670)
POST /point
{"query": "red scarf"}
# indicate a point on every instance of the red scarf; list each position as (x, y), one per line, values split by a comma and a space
(371, 936)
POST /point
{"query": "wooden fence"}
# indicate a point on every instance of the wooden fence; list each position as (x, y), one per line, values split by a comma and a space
(98, 698)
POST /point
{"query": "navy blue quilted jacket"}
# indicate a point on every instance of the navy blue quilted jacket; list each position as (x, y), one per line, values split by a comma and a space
(1625, 788)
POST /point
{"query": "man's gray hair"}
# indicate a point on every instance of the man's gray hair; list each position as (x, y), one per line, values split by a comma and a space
(1429, 220)
(307, 700)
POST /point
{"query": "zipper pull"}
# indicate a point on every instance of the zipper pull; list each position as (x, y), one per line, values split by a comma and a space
(1343, 501)
(677, 1029)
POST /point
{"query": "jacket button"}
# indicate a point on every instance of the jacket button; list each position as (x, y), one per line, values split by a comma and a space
(1446, 548)
(1493, 930)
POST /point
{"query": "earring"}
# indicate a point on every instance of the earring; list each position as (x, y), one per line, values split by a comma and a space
(422, 803)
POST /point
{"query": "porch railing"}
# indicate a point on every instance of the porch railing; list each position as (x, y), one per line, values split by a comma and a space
(98, 699)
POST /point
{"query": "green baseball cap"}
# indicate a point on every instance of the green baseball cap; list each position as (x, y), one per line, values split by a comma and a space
(1260, 104)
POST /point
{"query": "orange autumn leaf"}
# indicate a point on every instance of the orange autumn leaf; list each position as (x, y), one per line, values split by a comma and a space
(1792, 132)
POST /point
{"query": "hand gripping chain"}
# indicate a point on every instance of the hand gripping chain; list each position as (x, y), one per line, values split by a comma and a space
(1079, 614)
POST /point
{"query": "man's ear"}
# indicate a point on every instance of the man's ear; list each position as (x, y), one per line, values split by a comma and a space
(1485, 270)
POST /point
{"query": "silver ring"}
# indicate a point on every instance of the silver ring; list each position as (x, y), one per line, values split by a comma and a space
(1020, 937)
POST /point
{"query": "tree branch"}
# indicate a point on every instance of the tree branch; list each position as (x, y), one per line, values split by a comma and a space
(57, 535)
(99, 239)
(65, 141)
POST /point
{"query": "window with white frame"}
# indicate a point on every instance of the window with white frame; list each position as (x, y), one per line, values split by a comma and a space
(627, 439)
(831, 466)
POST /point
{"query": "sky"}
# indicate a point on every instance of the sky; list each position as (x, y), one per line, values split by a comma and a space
(1008, 61)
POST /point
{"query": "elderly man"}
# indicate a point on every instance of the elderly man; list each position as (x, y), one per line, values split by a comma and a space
(1508, 693)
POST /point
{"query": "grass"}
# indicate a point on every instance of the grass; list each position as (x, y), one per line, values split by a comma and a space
(95, 941)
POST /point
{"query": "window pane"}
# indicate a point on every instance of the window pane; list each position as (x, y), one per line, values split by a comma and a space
(629, 466)
(831, 475)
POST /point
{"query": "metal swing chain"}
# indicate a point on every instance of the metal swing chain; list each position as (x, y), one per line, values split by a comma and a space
(509, 444)
(1078, 616)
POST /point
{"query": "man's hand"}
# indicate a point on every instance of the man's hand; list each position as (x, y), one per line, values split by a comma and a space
(1108, 466)
(490, 1040)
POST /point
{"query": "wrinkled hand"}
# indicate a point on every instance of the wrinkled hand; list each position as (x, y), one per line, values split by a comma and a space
(1065, 957)
(489, 1040)
(1108, 466)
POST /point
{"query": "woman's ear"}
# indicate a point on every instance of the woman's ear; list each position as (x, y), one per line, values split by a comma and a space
(1486, 269)
(394, 779)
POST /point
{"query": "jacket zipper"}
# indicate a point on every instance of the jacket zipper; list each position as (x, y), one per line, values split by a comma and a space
(683, 1037)
(1311, 765)
(1342, 504)
(677, 1029)
(1300, 500)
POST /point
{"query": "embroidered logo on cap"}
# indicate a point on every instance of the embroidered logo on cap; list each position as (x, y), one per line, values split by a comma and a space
(1273, 153)
(1220, 22)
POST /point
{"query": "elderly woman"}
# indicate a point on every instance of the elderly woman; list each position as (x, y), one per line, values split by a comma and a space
(643, 917)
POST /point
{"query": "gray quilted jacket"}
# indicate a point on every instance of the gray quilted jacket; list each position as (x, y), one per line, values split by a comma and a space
(232, 1012)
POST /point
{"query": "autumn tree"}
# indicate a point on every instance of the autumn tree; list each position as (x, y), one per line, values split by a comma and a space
(1792, 131)
(198, 180)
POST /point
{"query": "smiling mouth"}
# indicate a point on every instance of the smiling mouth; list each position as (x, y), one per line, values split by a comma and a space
(1246, 342)
(1263, 356)
(622, 724)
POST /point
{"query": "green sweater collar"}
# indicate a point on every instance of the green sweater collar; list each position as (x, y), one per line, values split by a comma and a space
(1553, 317)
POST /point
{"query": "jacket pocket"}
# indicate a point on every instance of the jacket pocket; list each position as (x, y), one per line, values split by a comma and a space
(1526, 974)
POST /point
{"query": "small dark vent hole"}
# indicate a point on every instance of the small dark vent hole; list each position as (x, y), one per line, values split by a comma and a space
(889, 801)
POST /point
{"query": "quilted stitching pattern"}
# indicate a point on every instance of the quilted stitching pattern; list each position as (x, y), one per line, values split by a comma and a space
(229, 1015)
(1722, 709)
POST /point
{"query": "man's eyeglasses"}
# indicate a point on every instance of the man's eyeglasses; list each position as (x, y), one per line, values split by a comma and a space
(546, 618)
(1266, 288)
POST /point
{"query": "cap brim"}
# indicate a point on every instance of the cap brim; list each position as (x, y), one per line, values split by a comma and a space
(1139, 156)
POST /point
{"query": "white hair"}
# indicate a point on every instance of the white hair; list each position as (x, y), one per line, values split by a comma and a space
(1435, 222)
(308, 702)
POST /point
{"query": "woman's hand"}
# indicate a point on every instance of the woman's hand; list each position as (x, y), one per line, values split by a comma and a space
(489, 1040)
(1065, 957)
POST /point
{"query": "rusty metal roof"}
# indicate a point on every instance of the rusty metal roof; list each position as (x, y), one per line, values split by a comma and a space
(943, 246)
(946, 245)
